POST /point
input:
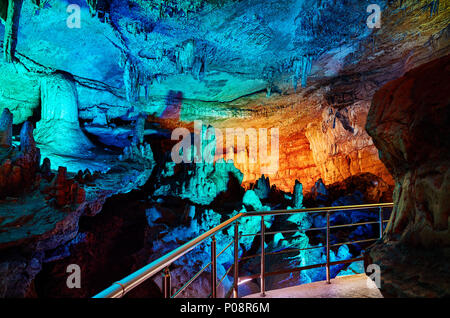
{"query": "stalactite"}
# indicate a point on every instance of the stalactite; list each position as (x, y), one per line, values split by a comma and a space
(131, 80)
(197, 68)
(269, 77)
(301, 69)
(306, 69)
(92, 6)
(434, 8)
(11, 29)
(185, 56)
(296, 65)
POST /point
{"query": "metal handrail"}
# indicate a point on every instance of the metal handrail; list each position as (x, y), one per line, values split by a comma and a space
(120, 288)
(344, 208)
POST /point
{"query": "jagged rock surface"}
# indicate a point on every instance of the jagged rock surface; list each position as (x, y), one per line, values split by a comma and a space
(19, 166)
(262, 187)
(409, 122)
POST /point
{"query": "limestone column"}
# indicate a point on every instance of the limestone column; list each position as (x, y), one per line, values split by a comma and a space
(59, 127)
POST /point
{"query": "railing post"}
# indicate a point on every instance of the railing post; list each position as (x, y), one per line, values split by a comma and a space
(213, 268)
(236, 260)
(328, 248)
(166, 283)
(381, 221)
(263, 258)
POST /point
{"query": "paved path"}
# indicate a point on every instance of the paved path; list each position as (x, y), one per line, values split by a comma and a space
(354, 286)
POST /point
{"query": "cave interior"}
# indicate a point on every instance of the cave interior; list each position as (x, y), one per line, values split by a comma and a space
(128, 128)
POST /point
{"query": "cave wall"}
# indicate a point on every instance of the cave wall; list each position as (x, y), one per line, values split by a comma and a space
(317, 140)
(409, 123)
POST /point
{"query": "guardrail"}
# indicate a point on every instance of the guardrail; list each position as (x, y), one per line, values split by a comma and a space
(120, 288)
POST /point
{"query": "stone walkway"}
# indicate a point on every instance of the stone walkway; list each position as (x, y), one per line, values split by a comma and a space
(354, 286)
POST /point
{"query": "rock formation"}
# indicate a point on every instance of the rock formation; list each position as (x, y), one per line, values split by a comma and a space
(19, 166)
(11, 22)
(298, 195)
(201, 182)
(341, 147)
(6, 122)
(262, 187)
(59, 127)
(409, 123)
(141, 153)
(64, 191)
(251, 201)
(319, 190)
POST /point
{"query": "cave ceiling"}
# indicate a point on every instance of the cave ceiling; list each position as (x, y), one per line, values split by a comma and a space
(215, 51)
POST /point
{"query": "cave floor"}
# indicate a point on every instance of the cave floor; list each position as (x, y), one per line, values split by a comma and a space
(354, 286)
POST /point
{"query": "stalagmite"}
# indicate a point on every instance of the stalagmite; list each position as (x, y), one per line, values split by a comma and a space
(139, 128)
(252, 201)
(27, 142)
(46, 169)
(6, 121)
(298, 195)
(262, 187)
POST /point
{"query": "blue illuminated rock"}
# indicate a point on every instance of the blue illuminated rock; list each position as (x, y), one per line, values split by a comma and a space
(59, 126)
(262, 187)
(252, 201)
(319, 191)
(6, 121)
(200, 181)
(298, 195)
(27, 142)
